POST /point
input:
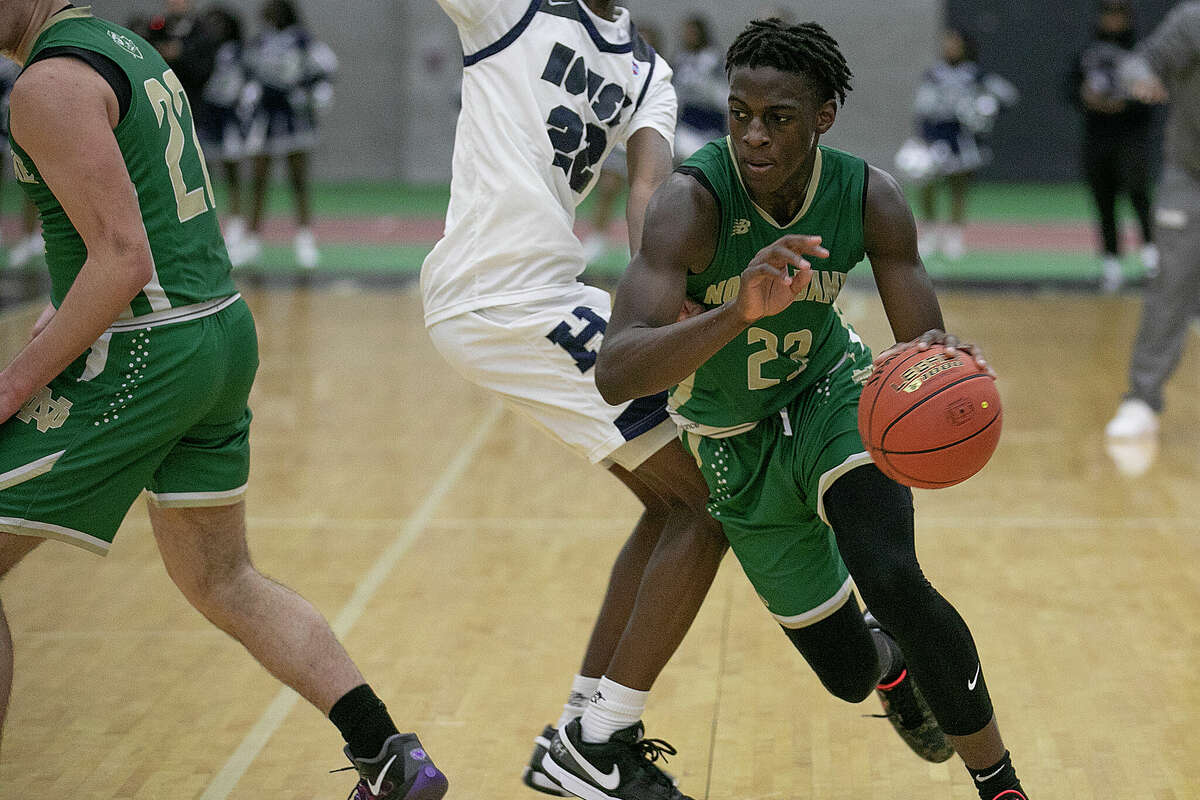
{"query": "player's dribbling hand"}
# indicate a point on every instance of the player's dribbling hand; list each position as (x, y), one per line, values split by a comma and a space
(776, 275)
(947, 340)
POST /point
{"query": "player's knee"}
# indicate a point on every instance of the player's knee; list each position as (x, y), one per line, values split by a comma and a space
(849, 679)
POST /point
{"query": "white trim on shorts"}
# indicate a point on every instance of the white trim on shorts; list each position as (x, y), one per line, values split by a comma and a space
(853, 461)
(197, 499)
(29, 471)
(45, 530)
(634, 452)
(815, 615)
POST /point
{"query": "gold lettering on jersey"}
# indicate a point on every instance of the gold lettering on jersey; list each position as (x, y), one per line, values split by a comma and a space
(22, 171)
(723, 291)
(915, 376)
(740, 226)
(46, 410)
(824, 286)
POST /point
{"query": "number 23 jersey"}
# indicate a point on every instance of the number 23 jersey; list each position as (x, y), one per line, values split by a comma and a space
(548, 90)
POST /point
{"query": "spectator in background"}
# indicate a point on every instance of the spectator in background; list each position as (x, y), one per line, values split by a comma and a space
(956, 106)
(1166, 68)
(215, 110)
(30, 245)
(289, 74)
(701, 86)
(1116, 139)
(181, 40)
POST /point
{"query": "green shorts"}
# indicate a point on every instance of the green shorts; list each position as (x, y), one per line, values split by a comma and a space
(766, 488)
(159, 408)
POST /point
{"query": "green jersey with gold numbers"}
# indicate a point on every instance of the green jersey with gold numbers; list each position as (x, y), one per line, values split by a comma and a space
(777, 357)
(158, 141)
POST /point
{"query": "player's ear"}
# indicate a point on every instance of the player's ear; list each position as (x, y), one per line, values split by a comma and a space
(826, 114)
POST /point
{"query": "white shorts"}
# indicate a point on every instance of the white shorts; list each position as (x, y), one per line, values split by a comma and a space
(540, 357)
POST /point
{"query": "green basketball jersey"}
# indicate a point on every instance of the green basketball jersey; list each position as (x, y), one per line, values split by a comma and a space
(777, 357)
(158, 141)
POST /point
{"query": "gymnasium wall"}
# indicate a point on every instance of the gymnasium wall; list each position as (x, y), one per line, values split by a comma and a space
(1032, 43)
(397, 94)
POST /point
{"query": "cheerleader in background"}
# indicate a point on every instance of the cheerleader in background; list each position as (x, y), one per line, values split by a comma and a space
(956, 106)
(288, 85)
(220, 128)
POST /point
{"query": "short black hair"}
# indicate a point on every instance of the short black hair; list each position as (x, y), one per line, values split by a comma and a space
(805, 49)
(280, 14)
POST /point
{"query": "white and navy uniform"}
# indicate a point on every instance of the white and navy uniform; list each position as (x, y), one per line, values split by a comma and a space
(548, 90)
(289, 74)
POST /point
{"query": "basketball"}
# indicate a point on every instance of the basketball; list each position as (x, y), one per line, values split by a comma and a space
(930, 419)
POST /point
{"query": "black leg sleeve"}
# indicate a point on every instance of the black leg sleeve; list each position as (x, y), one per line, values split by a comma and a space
(872, 518)
(841, 650)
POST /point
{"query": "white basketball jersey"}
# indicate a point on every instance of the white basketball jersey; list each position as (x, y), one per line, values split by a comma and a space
(548, 90)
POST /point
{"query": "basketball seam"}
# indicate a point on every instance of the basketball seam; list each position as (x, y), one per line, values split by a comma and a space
(899, 358)
(923, 401)
(942, 447)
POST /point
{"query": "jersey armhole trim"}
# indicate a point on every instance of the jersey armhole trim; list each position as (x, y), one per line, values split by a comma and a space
(866, 185)
(505, 40)
(108, 69)
(698, 175)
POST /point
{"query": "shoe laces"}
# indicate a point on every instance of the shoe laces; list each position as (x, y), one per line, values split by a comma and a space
(651, 750)
(902, 705)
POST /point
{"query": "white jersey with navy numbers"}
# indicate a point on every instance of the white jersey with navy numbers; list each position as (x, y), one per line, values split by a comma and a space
(548, 89)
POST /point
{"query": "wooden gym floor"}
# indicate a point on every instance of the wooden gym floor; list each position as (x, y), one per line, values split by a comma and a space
(461, 554)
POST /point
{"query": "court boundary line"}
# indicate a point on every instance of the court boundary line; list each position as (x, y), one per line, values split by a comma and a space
(235, 767)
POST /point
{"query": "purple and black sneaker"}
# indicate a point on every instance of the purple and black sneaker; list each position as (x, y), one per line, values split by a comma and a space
(401, 771)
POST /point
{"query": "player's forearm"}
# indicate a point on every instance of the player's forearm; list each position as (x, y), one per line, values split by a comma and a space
(635, 214)
(640, 361)
(100, 294)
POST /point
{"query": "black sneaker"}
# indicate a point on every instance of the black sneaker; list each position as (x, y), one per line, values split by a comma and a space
(908, 712)
(401, 771)
(534, 776)
(622, 768)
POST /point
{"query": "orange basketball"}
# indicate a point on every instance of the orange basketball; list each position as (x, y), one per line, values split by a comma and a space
(930, 419)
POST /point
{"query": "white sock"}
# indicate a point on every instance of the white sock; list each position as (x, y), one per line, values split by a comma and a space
(582, 690)
(612, 708)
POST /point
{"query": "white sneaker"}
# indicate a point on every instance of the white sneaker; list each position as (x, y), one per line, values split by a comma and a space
(594, 247)
(305, 247)
(953, 243)
(1134, 418)
(927, 241)
(1111, 277)
(1132, 457)
(26, 250)
(1150, 260)
(234, 230)
(247, 251)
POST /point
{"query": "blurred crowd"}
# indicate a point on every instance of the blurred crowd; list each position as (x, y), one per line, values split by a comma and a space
(254, 99)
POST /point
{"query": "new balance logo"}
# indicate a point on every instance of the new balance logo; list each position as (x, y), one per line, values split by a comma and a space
(740, 226)
(45, 410)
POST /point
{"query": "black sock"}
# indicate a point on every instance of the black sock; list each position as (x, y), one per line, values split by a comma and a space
(891, 660)
(999, 781)
(363, 721)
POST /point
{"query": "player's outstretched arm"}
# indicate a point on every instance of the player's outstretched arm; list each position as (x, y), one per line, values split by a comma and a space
(649, 345)
(904, 286)
(62, 115)
(649, 158)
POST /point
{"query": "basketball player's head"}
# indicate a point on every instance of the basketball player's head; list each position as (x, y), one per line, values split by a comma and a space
(785, 85)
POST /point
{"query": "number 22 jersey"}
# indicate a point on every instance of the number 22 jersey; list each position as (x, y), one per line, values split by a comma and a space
(548, 90)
